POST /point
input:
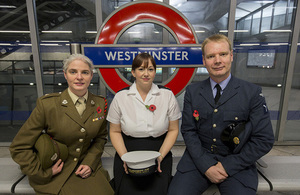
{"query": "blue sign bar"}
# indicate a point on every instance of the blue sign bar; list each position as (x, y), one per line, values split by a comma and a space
(120, 55)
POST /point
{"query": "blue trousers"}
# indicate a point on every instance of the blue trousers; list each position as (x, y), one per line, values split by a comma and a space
(194, 183)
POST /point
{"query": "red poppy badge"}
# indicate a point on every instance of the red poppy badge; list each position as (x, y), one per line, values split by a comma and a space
(196, 115)
(152, 107)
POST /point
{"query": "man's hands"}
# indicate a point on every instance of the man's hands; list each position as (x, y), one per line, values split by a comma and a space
(216, 173)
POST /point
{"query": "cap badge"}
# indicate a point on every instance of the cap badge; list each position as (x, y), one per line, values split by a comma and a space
(236, 140)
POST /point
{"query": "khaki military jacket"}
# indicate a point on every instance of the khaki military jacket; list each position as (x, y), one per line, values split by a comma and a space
(85, 137)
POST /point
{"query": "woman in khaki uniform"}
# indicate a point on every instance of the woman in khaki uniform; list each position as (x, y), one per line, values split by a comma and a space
(84, 134)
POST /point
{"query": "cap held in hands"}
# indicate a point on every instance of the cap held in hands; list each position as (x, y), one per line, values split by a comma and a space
(141, 163)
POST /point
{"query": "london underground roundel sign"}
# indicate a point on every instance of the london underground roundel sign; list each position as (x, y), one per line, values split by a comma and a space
(141, 12)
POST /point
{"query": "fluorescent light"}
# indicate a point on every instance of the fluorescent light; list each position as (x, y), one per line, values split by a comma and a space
(277, 43)
(200, 31)
(249, 44)
(90, 32)
(49, 41)
(8, 44)
(134, 32)
(8, 6)
(53, 44)
(224, 31)
(25, 44)
(53, 31)
(241, 30)
(277, 31)
(13, 31)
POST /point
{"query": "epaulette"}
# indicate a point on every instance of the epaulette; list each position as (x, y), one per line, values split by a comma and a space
(100, 96)
(48, 95)
(163, 87)
(105, 104)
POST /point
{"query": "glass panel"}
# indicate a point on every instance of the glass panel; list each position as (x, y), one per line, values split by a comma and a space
(290, 9)
(256, 23)
(17, 81)
(61, 24)
(293, 117)
(207, 17)
(266, 18)
(261, 58)
(279, 14)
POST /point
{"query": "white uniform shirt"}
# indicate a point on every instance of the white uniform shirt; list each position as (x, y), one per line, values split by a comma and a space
(129, 110)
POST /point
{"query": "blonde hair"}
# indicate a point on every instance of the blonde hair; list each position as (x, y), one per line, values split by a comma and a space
(215, 38)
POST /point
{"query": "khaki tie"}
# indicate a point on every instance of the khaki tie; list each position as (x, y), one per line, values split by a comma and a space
(80, 105)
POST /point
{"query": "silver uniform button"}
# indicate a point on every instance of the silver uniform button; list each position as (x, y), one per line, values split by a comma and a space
(214, 139)
(77, 149)
(215, 110)
(80, 140)
(214, 125)
(82, 130)
(75, 159)
(236, 118)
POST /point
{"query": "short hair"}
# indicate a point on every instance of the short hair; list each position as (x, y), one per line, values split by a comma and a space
(142, 58)
(215, 38)
(80, 57)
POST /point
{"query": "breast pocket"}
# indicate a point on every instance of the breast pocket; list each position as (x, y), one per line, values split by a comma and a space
(200, 116)
(235, 117)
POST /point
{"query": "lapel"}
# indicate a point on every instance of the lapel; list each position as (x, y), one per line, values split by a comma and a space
(90, 107)
(69, 109)
(206, 92)
(230, 90)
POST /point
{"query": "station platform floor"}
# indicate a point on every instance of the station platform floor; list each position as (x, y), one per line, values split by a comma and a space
(179, 148)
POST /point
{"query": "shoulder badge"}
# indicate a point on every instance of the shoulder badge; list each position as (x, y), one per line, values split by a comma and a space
(48, 95)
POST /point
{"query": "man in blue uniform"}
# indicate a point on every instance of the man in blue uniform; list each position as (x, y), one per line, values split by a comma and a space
(226, 128)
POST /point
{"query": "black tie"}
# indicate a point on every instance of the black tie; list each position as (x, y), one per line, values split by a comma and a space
(218, 95)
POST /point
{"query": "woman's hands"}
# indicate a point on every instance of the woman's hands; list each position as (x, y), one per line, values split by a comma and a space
(84, 171)
(57, 167)
(125, 167)
(159, 159)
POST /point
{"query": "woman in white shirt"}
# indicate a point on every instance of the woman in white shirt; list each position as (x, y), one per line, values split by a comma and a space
(143, 116)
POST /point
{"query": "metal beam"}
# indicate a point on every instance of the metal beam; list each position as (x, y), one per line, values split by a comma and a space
(99, 21)
(34, 35)
(231, 20)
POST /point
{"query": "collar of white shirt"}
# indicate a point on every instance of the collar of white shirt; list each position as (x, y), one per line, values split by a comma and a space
(133, 90)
